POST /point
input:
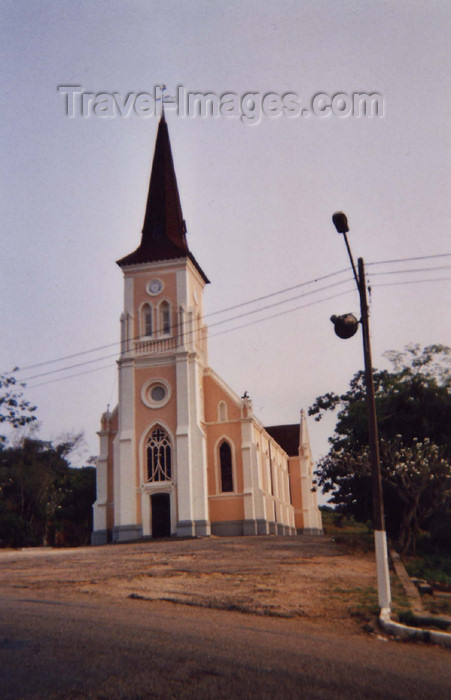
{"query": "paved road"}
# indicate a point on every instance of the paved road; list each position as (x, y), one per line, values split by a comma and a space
(137, 649)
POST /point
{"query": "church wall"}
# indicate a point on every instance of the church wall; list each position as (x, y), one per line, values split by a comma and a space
(145, 419)
(295, 483)
(273, 482)
(216, 434)
(225, 508)
(110, 468)
(222, 422)
(267, 492)
(214, 393)
(168, 293)
(222, 412)
(103, 508)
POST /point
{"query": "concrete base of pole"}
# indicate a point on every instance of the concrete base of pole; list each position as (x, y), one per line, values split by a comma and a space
(383, 574)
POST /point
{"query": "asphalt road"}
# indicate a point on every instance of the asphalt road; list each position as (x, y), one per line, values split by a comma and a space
(138, 649)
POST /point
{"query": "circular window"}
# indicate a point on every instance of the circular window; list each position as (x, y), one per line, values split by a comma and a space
(155, 393)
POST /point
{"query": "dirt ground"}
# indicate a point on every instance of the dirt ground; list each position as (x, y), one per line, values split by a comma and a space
(309, 577)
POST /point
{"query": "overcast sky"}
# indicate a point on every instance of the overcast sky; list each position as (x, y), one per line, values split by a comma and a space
(257, 199)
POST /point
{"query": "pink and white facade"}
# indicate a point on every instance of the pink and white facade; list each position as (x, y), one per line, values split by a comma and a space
(182, 454)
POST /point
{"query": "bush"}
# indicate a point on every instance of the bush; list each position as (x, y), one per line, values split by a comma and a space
(435, 569)
(15, 532)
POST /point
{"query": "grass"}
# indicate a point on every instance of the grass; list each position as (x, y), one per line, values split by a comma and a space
(400, 601)
(366, 608)
(433, 568)
(437, 605)
(347, 532)
(356, 536)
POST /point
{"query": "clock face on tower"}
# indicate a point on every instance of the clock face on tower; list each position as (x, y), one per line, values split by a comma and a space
(154, 287)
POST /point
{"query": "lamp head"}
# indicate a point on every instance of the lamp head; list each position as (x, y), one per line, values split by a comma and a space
(340, 222)
(345, 326)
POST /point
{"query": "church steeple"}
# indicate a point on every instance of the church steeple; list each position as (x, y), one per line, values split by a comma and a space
(164, 228)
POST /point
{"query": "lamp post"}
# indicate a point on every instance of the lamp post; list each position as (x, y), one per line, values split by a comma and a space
(345, 327)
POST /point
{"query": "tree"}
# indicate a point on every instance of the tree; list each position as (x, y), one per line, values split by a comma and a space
(14, 409)
(40, 493)
(413, 404)
(73, 518)
(43, 500)
(421, 478)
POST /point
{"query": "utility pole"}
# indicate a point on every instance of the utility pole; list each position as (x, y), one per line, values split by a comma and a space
(380, 536)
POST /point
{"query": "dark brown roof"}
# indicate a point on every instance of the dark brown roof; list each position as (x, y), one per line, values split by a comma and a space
(164, 229)
(287, 436)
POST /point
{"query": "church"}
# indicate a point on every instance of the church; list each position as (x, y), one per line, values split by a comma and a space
(182, 453)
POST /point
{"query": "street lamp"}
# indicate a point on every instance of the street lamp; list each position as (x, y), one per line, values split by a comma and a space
(345, 327)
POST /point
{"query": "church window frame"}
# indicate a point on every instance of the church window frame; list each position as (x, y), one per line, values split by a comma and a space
(165, 317)
(226, 467)
(222, 412)
(156, 392)
(147, 320)
(158, 450)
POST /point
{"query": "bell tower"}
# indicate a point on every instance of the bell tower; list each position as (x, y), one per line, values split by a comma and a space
(160, 445)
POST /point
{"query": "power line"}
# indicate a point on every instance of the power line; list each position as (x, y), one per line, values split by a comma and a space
(278, 303)
(281, 291)
(240, 305)
(71, 376)
(213, 313)
(282, 313)
(416, 269)
(64, 369)
(393, 284)
(214, 335)
(187, 333)
(397, 260)
(243, 325)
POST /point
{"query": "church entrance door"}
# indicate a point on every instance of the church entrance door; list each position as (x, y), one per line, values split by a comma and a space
(161, 515)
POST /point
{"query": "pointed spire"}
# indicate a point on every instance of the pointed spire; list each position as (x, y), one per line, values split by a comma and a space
(163, 218)
(164, 229)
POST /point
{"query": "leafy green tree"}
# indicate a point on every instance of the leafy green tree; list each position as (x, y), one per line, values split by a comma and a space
(39, 492)
(413, 404)
(14, 409)
(416, 479)
(43, 500)
(73, 518)
(420, 476)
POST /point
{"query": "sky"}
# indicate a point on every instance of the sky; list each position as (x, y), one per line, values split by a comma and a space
(257, 198)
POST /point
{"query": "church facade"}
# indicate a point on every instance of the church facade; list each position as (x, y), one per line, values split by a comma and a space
(182, 454)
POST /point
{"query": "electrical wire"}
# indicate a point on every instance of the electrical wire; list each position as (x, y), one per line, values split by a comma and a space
(282, 313)
(417, 269)
(213, 335)
(235, 306)
(247, 303)
(212, 313)
(397, 260)
(187, 333)
(70, 376)
(393, 284)
(244, 325)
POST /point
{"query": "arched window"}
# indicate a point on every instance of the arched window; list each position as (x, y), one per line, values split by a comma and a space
(147, 321)
(165, 317)
(225, 461)
(158, 448)
(222, 411)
